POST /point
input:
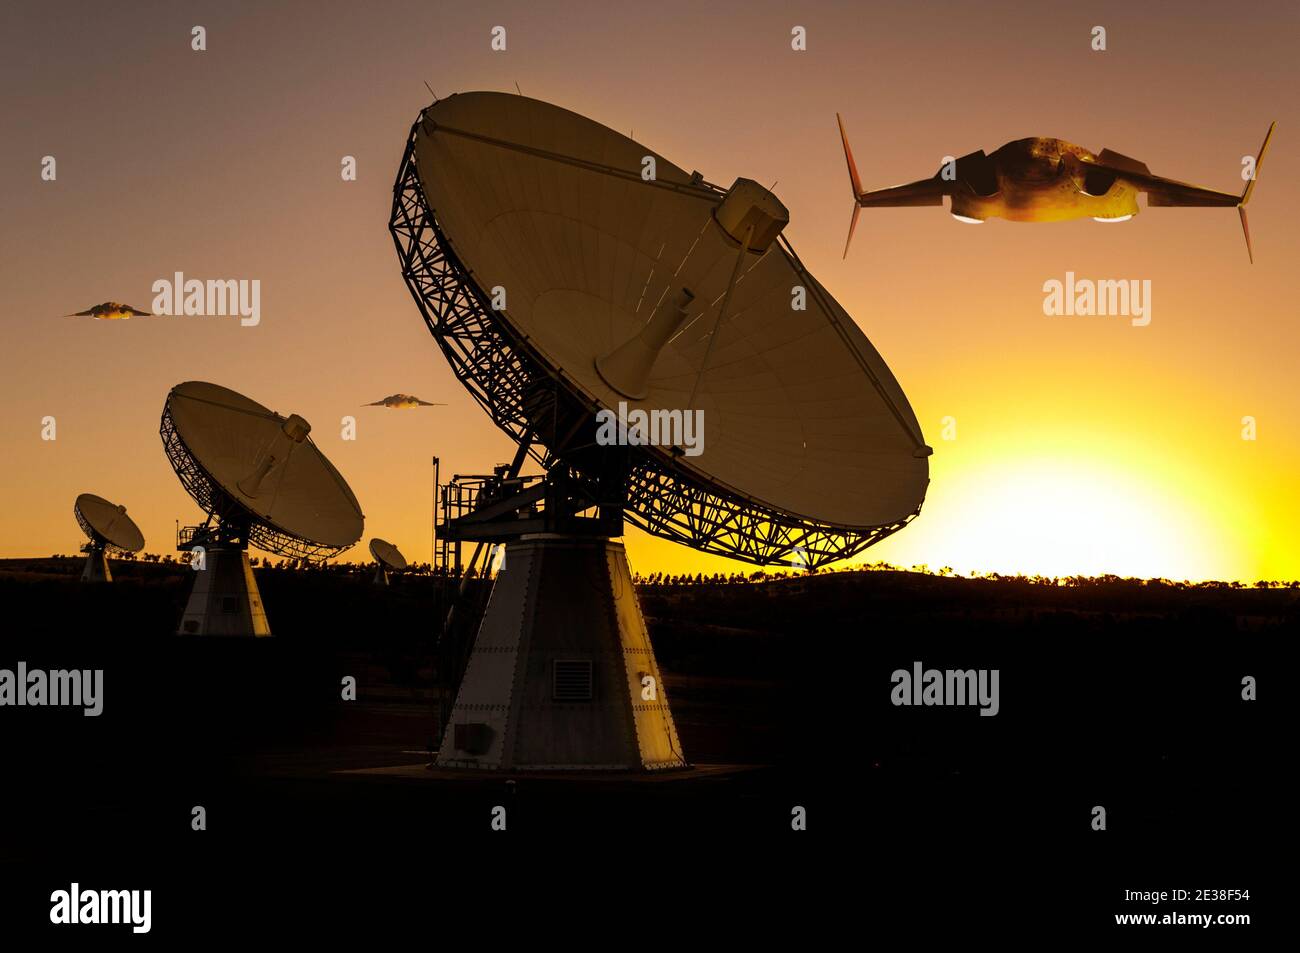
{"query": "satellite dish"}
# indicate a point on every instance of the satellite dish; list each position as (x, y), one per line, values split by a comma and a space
(263, 483)
(568, 272)
(110, 531)
(387, 557)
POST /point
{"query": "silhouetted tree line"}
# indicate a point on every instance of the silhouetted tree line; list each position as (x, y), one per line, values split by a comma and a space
(658, 579)
(1075, 582)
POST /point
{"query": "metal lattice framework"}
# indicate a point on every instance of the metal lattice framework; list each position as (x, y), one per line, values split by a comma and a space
(498, 369)
(238, 523)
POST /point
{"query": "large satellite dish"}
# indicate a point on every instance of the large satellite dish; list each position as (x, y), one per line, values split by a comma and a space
(565, 270)
(263, 483)
(109, 529)
(387, 558)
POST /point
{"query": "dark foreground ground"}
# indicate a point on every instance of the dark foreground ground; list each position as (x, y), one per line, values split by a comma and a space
(1118, 694)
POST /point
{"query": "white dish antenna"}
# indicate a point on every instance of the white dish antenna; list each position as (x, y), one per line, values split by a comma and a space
(568, 274)
(637, 291)
(263, 483)
(387, 555)
(239, 459)
(109, 530)
(107, 524)
(387, 559)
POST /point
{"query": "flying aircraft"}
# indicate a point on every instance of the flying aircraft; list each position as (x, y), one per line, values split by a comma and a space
(1045, 180)
(403, 402)
(110, 311)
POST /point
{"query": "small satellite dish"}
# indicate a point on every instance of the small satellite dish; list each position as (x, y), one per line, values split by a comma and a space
(387, 558)
(110, 531)
(263, 483)
(565, 285)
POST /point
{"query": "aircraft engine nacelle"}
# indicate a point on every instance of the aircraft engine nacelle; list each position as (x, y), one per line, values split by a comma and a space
(1089, 179)
(979, 174)
(1094, 181)
(969, 208)
(1111, 198)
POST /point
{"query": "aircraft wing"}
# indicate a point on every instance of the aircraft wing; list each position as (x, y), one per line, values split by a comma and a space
(923, 192)
(1170, 192)
(1162, 191)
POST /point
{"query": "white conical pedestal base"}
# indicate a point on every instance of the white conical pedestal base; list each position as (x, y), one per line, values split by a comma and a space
(225, 600)
(562, 675)
(96, 569)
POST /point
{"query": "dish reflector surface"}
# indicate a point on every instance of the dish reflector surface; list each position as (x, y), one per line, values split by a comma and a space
(800, 412)
(109, 522)
(264, 463)
(385, 552)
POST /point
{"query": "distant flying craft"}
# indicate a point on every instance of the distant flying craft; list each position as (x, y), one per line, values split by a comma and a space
(403, 402)
(111, 311)
(1045, 180)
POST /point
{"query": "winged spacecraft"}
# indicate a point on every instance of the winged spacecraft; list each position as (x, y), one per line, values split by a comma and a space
(1046, 180)
(403, 402)
(111, 311)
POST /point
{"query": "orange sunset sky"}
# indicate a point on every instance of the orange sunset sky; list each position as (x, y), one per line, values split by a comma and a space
(1083, 444)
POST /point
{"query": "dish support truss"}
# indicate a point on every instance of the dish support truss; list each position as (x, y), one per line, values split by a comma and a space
(493, 364)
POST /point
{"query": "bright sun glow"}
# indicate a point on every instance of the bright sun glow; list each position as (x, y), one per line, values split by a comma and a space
(1051, 518)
